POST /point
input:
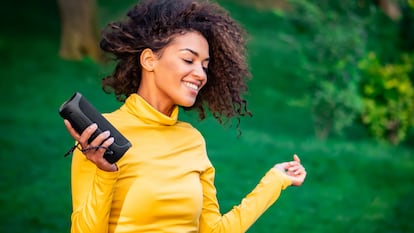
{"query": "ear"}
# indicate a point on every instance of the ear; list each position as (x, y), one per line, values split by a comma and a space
(148, 59)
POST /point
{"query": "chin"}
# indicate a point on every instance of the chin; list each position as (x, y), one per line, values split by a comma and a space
(187, 103)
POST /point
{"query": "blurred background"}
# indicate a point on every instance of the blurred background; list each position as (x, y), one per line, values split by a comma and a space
(332, 82)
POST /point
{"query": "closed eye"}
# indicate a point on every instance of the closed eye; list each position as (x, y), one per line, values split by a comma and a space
(189, 61)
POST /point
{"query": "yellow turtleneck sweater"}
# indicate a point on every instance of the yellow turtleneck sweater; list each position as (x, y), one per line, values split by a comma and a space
(165, 182)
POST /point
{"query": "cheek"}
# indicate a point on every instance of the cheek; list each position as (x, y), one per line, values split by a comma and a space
(176, 71)
(166, 71)
(171, 72)
(174, 67)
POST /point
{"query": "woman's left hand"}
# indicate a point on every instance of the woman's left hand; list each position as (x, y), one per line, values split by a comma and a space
(294, 170)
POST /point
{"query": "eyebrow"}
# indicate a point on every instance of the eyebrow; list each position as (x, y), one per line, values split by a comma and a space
(194, 52)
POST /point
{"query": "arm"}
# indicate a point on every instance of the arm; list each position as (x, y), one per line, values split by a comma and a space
(92, 191)
(92, 179)
(241, 217)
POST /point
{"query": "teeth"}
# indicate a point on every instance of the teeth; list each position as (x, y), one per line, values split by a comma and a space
(191, 85)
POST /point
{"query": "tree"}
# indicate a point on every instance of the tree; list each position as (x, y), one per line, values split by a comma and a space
(79, 32)
(391, 8)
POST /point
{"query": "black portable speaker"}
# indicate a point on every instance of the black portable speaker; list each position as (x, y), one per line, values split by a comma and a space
(81, 114)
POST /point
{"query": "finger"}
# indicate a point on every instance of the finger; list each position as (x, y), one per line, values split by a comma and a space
(298, 178)
(296, 158)
(299, 169)
(100, 138)
(282, 166)
(105, 145)
(294, 168)
(299, 172)
(86, 134)
(108, 142)
(101, 162)
(71, 130)
(295, 172)
(293, 164)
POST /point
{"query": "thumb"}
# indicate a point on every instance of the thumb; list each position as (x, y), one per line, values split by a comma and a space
(296, 158)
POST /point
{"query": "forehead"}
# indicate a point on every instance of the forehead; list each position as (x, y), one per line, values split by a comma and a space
(190, 40)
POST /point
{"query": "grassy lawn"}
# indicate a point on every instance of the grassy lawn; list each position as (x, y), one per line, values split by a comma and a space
(354, 184)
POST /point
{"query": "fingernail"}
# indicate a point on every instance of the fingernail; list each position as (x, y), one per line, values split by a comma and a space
(110, 140)
(106, 133)
(94, 126)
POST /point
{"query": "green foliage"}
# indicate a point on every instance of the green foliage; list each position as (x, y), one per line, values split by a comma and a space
(388, 98)
(335, 42)
(411, 3)
(407, 27)
(334, 109)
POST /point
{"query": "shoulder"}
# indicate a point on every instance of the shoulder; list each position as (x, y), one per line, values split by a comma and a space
(120, 118)
(189, 128)
(116, 114)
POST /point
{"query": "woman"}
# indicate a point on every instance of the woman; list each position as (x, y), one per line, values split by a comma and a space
(171, 54)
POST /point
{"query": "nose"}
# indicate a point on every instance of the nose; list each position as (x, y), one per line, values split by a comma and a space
(200, 73)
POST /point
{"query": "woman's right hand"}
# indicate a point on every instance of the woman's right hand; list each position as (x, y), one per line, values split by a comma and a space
(94, 155)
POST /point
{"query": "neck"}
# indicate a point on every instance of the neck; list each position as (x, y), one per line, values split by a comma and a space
(155, 100)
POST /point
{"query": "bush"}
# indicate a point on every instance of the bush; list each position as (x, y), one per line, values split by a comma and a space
(388, 98)
(335, 41)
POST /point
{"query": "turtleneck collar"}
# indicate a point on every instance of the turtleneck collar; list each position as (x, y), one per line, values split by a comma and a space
(140, 108)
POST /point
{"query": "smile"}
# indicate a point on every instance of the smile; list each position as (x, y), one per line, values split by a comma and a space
(191, 85)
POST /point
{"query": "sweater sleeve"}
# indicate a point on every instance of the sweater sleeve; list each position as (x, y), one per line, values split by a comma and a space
(241, 217)
(92, 191)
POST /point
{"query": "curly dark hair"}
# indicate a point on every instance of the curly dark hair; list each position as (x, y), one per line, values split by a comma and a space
(154, 23)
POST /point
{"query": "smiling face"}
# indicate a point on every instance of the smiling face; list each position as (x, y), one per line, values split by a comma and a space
(176, 74)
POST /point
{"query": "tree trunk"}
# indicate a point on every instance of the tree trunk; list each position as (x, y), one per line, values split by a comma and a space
(390, 8)
(79, 30)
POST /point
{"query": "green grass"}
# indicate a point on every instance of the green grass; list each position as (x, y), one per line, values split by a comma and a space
(354, 184)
